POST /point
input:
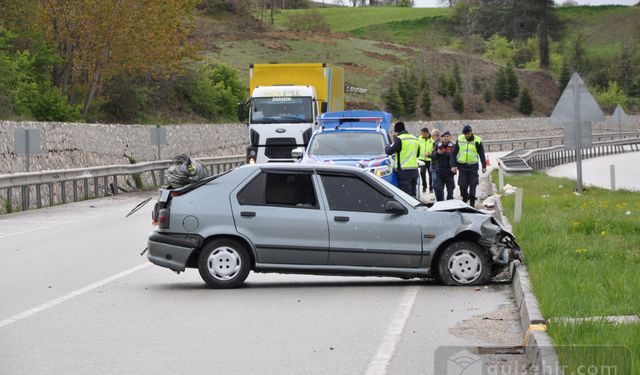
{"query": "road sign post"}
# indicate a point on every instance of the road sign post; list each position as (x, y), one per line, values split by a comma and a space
(576, 109)
(158, 136)
(27, 141)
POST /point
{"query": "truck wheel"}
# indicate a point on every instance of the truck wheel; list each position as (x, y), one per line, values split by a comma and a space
(224, 263)
(463, 263)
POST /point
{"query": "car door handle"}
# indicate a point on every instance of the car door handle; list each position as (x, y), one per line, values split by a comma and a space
(341, 219)
(248, 214)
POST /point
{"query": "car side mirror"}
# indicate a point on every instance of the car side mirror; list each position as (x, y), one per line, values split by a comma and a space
(324, 106)
(242, 111)
(394, 208)
(297, 153)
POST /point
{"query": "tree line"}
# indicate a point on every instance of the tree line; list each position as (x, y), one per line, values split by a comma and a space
(106, 60)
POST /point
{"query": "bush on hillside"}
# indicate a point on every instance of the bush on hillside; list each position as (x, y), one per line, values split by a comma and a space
(610, 98)
(499, 49)
(458, 102)
(213, 92)
(526, 103)
(426, 103)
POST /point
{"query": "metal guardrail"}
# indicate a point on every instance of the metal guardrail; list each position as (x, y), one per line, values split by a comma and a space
(524, 143)
(93, 182)
(527, 161)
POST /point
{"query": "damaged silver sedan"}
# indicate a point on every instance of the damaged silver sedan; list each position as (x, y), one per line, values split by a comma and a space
(321, 219)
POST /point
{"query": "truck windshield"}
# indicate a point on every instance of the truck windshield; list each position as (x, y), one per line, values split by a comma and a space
(279, 110)
(347, 143)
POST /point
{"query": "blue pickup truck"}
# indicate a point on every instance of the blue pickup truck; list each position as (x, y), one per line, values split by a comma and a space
(356, 138)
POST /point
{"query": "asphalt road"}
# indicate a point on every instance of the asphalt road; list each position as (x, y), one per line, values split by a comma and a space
(77, 298)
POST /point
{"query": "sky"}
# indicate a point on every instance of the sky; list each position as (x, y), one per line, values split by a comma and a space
(435, 3)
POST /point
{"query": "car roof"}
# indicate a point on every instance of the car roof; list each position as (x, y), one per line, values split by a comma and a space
(385, 119)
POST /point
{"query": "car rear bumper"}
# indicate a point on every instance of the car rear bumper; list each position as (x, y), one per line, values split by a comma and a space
(171, 251)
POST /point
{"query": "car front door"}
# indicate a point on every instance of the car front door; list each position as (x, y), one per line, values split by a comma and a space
(280, 213)
(361, 232)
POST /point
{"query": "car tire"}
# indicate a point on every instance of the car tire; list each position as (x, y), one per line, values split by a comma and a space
(224, 263)
(463, 263)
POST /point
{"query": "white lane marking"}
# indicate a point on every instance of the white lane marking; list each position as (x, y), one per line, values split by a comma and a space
(66, 297)
(380, 362)
(60, 223)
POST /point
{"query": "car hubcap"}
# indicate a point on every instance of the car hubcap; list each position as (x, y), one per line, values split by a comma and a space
(224, 263)
(465, 266)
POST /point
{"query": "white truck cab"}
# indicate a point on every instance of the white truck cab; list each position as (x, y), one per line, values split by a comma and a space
(281, 118)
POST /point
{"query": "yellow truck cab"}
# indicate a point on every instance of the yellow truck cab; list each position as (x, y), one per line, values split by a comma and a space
(285, 101)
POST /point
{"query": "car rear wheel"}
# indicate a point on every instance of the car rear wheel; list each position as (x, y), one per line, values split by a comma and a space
(463, 263)
(224, 263)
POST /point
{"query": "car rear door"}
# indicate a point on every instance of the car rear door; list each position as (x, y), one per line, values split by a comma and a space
(278, 210)
(361, 233)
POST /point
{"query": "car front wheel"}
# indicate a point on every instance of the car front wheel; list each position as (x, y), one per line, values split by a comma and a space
(224, 263)
(463, 263)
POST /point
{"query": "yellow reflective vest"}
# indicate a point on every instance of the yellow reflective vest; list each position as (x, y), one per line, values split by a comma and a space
(467, 151)
(425, 148)
(408, 158)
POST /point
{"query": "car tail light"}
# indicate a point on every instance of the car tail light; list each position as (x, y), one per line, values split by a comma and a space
(163, 218)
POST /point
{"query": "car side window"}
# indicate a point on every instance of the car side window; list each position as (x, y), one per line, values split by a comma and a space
(349, 193)
(280, 189)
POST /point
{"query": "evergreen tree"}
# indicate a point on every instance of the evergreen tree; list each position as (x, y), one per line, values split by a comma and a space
(487, 95)
(526, 104)
(424, 82)
(512, 80)
(458, 102)
(393, 101)
(443, 85)
(502, 86)
(452, 86)
(411, 90)
(456, 76)
(426, 102)
(565, 75)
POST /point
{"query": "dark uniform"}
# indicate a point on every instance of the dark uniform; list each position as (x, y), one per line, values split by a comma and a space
(441, 163)
(405, 147)
(465, 156)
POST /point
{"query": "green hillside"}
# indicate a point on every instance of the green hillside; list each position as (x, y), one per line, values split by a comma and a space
(344, 19)
(603, 27)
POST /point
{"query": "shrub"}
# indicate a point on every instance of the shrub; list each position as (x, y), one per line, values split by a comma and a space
(512, 80)
(610, 98)
(502, 86)
(526, 104)
(392, 101)
(213, 92)
(443, 85)
(499, 49)
(487, 95)
(426, 103)
(126, 99)
(458, 102)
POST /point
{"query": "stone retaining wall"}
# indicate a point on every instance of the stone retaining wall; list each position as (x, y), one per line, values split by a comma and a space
(67, 145)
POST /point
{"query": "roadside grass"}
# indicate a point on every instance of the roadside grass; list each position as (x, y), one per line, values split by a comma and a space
(583, 254)
(344, 19)
(601, 344)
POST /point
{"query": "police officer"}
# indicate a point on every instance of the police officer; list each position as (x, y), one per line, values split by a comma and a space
(405, 147)
(467, 151)
(423, 140)
(441, 163)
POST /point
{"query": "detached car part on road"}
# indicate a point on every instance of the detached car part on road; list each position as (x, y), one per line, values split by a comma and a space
(321, 219)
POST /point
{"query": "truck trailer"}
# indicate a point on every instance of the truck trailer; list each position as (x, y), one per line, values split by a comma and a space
(284, 105)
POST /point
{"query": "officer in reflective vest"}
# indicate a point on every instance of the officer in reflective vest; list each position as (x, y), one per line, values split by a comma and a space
(405, 147)
(465, 156)
(423, 146)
